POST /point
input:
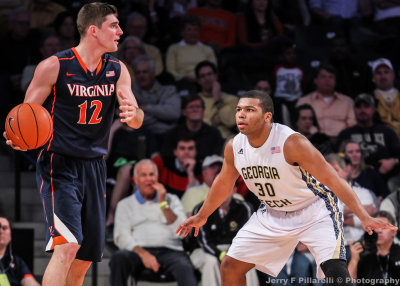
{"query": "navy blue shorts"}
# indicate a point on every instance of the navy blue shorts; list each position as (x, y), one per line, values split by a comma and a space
(73, 195)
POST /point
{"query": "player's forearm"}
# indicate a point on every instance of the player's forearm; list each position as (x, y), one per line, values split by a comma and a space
(219, 191)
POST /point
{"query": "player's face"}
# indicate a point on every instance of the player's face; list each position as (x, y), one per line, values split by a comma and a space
(383, 78)
(146, 176)
(194, 111)
(110, 33)
(5, 232)
(185, 150)
(250, 117)
(384, 235)
(353, 151)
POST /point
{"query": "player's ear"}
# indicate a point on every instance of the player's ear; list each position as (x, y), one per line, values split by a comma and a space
(92, 30)
(267, 116)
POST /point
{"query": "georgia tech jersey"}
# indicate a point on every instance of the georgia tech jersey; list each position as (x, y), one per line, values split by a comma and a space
(276, 183)
(82, 105)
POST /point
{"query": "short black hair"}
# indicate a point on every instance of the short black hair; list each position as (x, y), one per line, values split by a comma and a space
(266, 103)
(329, 68)
(189, 20)
(386, 215)
(203, 64)
(301, 107)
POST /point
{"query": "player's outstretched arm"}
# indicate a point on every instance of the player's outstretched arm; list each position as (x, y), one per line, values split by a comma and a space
(298, 149)
(131, 114)
(220, 190)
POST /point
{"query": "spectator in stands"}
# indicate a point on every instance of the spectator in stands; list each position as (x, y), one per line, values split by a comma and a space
(182, 57)
(387, 96)
(335, 12)
(22, 49)
(180, 172)
(193, 196)
(220, 107)
(289, 77)
(391, 204)
(144, 232)
(14, 267)
(378, 264)
(352, 75)
(258, 24)
(161, 104)
(379, 143)
(136, 25)
(66, 30)
(208, 139)
(360, 173)
(305, 122)
(130, 49)
(218, 27)
(334, 110)
(292, 14)
(43, 13)
(352, 227)
(216, 236)
(50, 45)
(386, 17)
(263, 85)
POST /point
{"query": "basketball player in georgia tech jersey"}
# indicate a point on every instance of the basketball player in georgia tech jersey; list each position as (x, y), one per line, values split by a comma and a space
(79, 87)
(297, 189)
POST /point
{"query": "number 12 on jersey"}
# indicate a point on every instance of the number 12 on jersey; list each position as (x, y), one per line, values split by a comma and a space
(94, 119)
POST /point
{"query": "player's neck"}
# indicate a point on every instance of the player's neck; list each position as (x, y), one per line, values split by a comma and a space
(257, 139)
(90, 56)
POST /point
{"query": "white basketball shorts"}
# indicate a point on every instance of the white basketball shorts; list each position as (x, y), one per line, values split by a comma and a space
(270, 236)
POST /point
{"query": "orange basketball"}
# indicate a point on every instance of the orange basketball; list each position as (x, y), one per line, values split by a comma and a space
(29, 125)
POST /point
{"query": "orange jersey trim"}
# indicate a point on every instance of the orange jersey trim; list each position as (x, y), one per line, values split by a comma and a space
(66, 59)
(52, 116)
(79, 59)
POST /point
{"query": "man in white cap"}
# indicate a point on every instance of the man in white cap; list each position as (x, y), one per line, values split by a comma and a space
(387, 96)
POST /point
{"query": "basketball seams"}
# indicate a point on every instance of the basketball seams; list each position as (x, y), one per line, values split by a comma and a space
(37, 126)
(19, 127)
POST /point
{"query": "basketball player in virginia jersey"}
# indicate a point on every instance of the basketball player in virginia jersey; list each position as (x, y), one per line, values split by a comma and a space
(79, 87)
(298, 190)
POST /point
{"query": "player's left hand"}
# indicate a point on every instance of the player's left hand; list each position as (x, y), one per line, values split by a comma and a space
(195, 222)
(127, 107)
(373, 223)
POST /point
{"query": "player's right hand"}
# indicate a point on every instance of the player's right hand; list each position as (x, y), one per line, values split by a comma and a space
(194, 221)
(11, 144)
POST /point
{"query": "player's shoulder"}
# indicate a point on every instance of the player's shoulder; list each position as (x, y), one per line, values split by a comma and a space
(49, 65)
(110, 58)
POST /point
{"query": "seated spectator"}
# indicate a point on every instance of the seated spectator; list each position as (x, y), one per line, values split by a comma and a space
(386, 17)
(335, 12)
(289, 77)
(363, 174)
(352, 227)
(129, 50)
(136, 25)
(43, 13)
(391, 204)
(387, 96)
(66, 30)
(380, 262)
(182, 57)
(14, 270)
(258, 24)
(180, 172)
(218, 28)
(380, 144)
(263, 85)
(216, 236)
(161, 104)
(305, 122)
(353, 75)
(144, 232)
(334, 110)
(49, 46)
(208, 138)
(292, 14)
(220, 107)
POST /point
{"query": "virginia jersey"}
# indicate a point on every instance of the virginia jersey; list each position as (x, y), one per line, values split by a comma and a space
(82, 105)
(276, 183)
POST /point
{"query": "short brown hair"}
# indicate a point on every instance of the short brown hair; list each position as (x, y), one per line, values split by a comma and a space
(93, 14)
